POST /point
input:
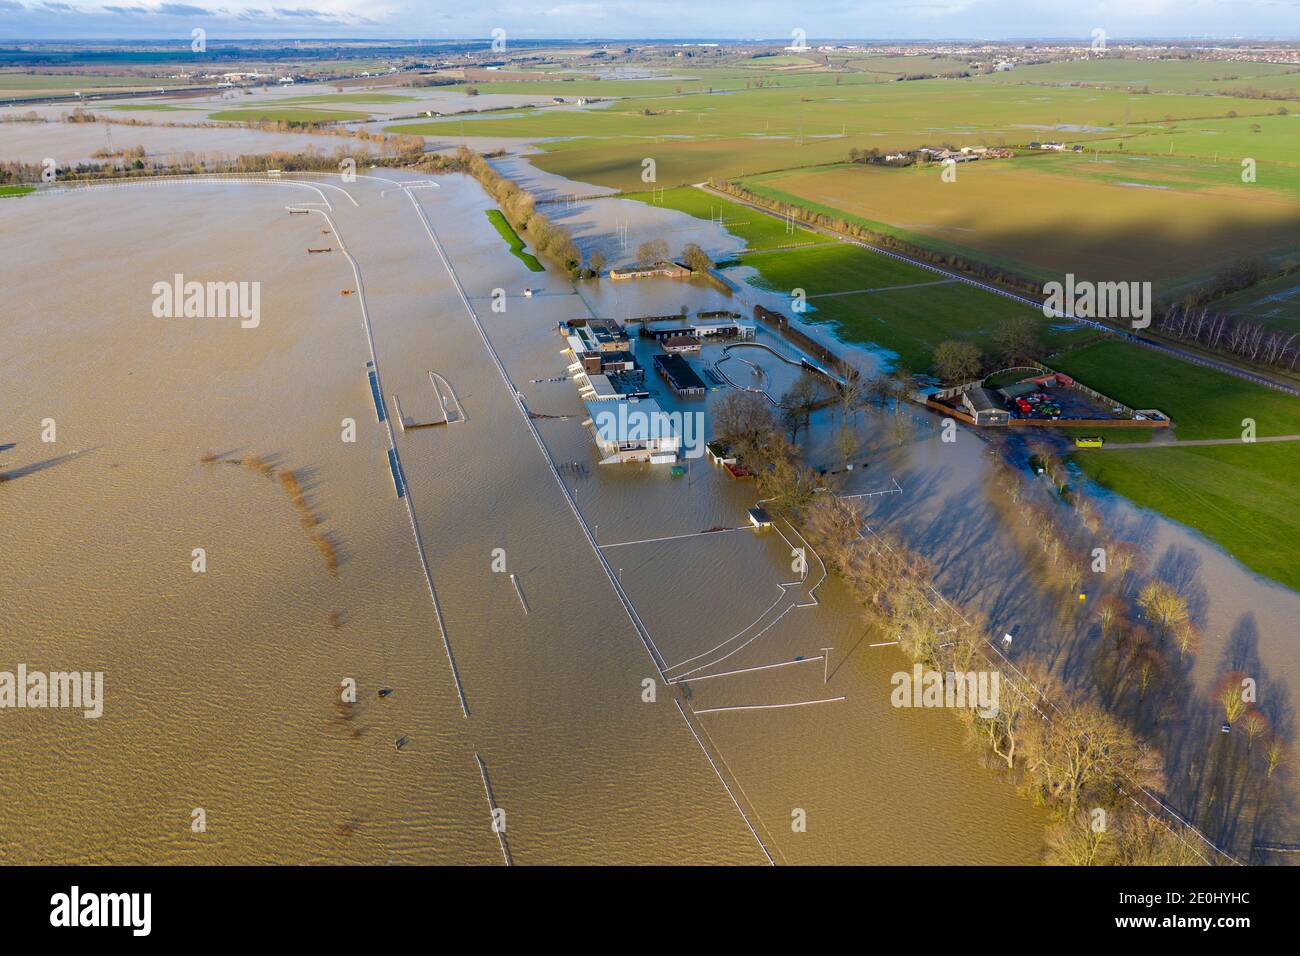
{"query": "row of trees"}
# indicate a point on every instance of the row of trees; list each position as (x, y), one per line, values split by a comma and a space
(1243, 338)
(1140, 643)
(1078, 748)
(519, 206)
(185, 164)
(653, 251)
(1071, 756)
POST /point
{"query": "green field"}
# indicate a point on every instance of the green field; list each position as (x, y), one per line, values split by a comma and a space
(1162, 171)
(15, 190)
(1242, 497)
(1275, 302)
(512, 239)
(1203, 403)
(1180, 76)
(756, 229)
(695, 134)
(286, 115)
(890, 304)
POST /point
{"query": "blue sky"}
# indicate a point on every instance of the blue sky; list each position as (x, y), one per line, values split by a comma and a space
(739, 19)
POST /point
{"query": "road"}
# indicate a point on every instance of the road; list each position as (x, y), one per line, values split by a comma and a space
(1184, 443)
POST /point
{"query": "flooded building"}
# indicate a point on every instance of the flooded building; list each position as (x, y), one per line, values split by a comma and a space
(701, 329)
(679, 375)
(604, 367)
(633, 431)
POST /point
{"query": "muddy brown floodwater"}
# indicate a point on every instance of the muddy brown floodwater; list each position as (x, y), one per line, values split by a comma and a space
(222, 688)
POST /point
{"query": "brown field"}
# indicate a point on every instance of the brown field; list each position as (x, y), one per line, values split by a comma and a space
(1031, 219)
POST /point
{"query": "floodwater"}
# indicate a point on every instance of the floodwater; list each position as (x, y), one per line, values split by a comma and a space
(1247, 623)
(222, 688)
(69, 143)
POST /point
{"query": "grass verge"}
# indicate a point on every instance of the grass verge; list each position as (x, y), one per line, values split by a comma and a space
(512, 239)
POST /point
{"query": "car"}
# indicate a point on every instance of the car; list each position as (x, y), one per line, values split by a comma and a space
(1089, 441)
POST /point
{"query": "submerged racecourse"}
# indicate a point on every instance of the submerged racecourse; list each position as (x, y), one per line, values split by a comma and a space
(223, 685)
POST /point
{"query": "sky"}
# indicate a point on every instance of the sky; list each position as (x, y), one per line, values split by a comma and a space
(659, 19)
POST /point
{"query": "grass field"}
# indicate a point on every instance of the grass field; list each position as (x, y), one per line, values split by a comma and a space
(275, 114)
(512, 239)
(1203, 403)
(1122, 219)
(1181, 76)
(1135, 210)
(757, 230)
(1276, 302)
(15, 190)
(1242, 497)
(694, 135)
(881, 301)
(1260, 134)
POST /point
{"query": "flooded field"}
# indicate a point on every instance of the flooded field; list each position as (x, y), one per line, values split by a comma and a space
(222, 688)
(513, 604)
(70, 143)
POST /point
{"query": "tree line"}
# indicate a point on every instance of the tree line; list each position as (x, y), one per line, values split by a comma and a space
(519, 206)
(1068, 753)
(1136, 643)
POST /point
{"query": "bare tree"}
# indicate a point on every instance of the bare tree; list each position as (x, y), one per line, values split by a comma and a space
(956, 361)
(1164, 607)
(1018, 339)
(696, 259)
(744, 421)
(652, 252)
(800, 400)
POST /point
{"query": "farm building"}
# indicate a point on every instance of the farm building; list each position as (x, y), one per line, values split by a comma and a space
(679, 375)
(984, 408)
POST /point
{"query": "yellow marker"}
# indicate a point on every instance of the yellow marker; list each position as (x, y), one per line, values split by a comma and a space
(1083, 597)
